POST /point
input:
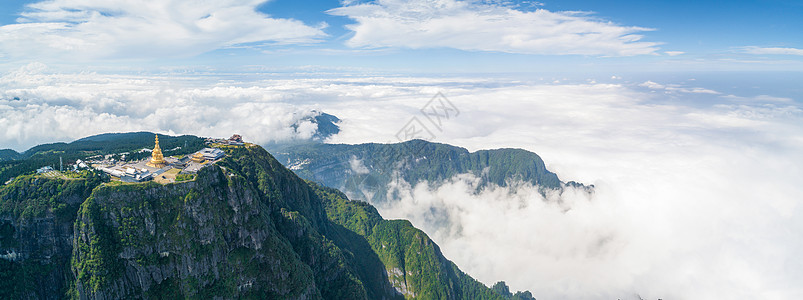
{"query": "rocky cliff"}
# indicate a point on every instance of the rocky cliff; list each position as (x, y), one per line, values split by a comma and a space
(244, 228)
(213, 237)
(36, 233)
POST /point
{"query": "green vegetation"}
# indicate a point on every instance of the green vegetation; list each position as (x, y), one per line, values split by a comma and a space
(184, 177)
(244, 228)
(18, 280)
(95, 256)
(413, 262)
(500, 288)
(212, 234)
(34, 212)
(29, 197)
(8, 154)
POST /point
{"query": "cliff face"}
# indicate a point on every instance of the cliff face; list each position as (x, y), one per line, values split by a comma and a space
(36, 230)
(213, 237)
(244, 228)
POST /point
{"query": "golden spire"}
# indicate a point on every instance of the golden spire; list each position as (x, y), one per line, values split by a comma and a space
(157, 159)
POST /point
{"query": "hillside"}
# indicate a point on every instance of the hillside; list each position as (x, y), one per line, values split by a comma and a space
(363, 171)
(245, 228)
(8, 154)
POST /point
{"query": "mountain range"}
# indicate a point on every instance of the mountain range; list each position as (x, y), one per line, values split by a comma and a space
(364, 171)
(246, 227)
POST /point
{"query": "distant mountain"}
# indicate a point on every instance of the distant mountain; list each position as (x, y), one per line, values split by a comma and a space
(117, 136)
(8, 154)
(246, 227)
(327, 125)
(364, 171)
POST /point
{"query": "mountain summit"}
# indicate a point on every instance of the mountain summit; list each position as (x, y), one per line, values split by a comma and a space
(245, 227)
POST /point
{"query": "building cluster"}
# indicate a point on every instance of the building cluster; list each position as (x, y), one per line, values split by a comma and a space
(129, 173)
(159, 167)
(77, 166)
(234, 140)
(44, 169)
(207, 154)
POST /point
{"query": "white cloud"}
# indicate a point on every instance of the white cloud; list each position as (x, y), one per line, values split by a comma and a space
(674, 53)
(63, 107)
(357, 166)
(653, 85)
(760, 98)
(772, 50)
(677, 88)
(478, 26)
(91, 29)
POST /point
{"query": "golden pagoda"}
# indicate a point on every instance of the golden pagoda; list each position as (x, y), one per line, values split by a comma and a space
(157, 159)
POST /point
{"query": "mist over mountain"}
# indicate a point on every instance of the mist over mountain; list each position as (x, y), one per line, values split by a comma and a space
(364, 171)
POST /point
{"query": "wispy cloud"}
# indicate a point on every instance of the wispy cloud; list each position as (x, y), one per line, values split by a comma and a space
(483, 26)
(676, 88)
(771, 50)
(91, 29)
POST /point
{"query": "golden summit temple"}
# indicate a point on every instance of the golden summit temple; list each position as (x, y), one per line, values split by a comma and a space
(157, 159)
(159, 168)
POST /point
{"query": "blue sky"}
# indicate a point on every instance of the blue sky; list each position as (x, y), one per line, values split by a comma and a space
(668, 35)
(694, 26)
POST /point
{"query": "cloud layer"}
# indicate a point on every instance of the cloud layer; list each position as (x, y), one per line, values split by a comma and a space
(39, 107)
(92, 29)
(772, 50)
(693, 200)
(480, 26)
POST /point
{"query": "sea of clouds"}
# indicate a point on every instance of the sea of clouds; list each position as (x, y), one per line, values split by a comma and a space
(693, 200)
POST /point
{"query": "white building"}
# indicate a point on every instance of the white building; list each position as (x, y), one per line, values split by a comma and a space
(128, 173)
(212, 153)
(44, 169)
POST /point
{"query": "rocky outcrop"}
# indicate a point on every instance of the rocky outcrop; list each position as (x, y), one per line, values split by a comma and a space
(209, 238)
